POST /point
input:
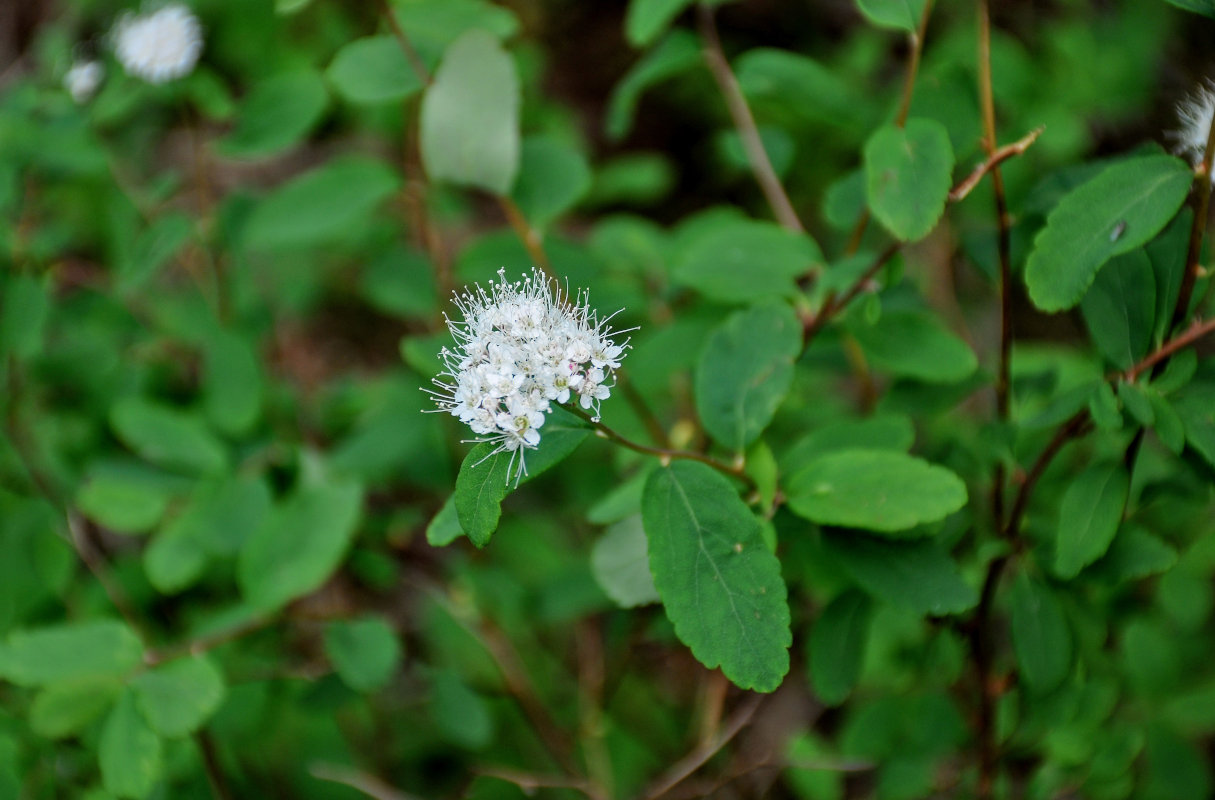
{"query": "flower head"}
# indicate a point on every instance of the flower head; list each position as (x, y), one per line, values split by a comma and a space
(83, 79)
(159, 46)
(1196, 113)
(519, 347)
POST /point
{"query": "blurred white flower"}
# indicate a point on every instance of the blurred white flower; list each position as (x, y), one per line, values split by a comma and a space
(82, 80)
(1195, 114)
(520, 346)
(160, 45)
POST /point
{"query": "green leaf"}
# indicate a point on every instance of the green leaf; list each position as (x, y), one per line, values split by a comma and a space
(553, 177)
(129, 751)
(300, 545)
(152, 250)
(64, 709)
(469, 124)
(485, 480)
(1204, 7)
(907, 176)
(903, 15)
(373, 70)
(24, 310)
(365, 652)
(782, 85)
(167, 436)
(179, 697)
(620, 564)
(646, 20)
(720, 584)
(278, 113)
(1103, 406)
(1089, 517)
(1041, 638)
(1119, 308)
(174, 559)
(744, 372)
(1116, 212)
(878, 490)
(232, 383)
(745, 260)
(445, 527)
(879, 432)
(400, 282)
(1167, 422)
(1136, 401)
(913, 575)
(72, 651)
(837, 646)
(915, 345)
(221, 514)
(461, 716)
(432, 25)
(121, 503)
(320, 206)
(1196, 407)
(676, 53)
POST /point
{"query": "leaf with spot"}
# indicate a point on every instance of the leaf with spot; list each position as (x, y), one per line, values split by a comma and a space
(720, 584)
(907, 176)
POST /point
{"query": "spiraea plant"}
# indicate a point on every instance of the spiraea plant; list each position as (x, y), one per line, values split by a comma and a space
(662, 399)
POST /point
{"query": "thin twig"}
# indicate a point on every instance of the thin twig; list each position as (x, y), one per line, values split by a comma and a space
(369, 785)
(589, 645)
(206, 642)
(411, 54)
(1073, 428)
(991, 164)
(528, 235)
(989, 691)
(1196, 331)
(833, 305)
(529, 782)
(699, 756)
(744, 122)
(604, 432)
(1202, 200)
(653, 425)
(211, 766)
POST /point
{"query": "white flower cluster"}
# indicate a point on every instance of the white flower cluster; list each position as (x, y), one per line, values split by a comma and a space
(159, 46)
(83, 80)
(1196, 113)
(519, 347)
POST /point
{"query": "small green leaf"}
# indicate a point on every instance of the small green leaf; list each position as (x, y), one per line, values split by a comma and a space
(914, 575)
(1103, 407)
(677, 53)
(470, 116)
(1116, 212)
(232, 383)
(121, 503)
(222, 514)
(553, 177)
(1041, 638)
(916, 345)
(485, 479)
(72, 651)
(64, 709)
(1167, 422)
(320, 206)
(460, 714)
(907, 176)
(1089, 516)
(620, 564)
(178, 698)
(744, 372)
(278, 112)
(1203, 7)
(790, 88)
(1195, 404)
(903, 15)
(129, 751)
(646, 20)
(167, 436)
(152, 250)
(1134, 398)
(444, 528)
(879, 432)
(174, 560)
(837, 646)
(365, 652)
(745, 260)
(373, 70)
(24, 310)
(878, 490)
(300, 545)
(720, 584)
(1119, 308)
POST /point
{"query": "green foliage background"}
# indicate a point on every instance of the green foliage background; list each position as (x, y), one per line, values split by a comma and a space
(237, 560)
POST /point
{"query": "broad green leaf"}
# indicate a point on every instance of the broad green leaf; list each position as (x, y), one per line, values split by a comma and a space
(372, 70)
(915, 345)
(129, 751)
(632, 178)
(1134, 398)
(1174, 767)
(879, 432)
(553, 177)
(677, 53)
(720, 584)
(914, 575)
(152, 250)
(461, 716)
(63, 709)
(469, 124)
(1103, 407)
(782, 85)
(23, 313)
(179, 697)
(907, 176)
(646, 20)
(620, 564)
(837, 646)
(1089, 517)
(278, 113)
(121, 503)
(444, 528)
(320, 206)
(1116, 212)
(1167, 253)
(174, 559)
(300, 545)
(903, 15)
(745, 260)
(1204, 7)
(400, 282)
(72, 651)
(167, 436)
(878, 490)
(486, 478)
(1195, 404)
(222, 514)
(232, 382)
(432, 25)
(1119, 308)
(744, 372)
(1041, 638)
(1168, 425)
(1150, 657)
(365, 652)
